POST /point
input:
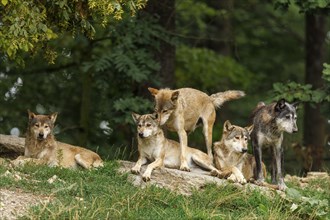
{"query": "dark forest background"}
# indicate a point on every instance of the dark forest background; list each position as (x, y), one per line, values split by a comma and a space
(93, 66)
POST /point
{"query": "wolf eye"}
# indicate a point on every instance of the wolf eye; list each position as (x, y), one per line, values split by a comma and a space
(164, 111)
(288, 116)
(148, 124)
(139, 125)
(36, 125)
(237, 137)
(46, 126)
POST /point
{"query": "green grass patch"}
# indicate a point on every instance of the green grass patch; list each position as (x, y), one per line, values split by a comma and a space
(105, 194)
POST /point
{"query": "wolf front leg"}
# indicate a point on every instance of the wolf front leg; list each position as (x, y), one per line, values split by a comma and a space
(141, 161)
(278, 155)
(258, 157)
(236, 176)
(157, 163)
(183, 146)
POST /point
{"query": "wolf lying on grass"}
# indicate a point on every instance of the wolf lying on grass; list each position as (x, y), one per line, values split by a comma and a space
(180, 110)
(42, 148)
(153, 146)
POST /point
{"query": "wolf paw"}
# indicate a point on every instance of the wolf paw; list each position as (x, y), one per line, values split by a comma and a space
(146, 178)
(185, 168)
(237, 179)
(135, 171)
(259, 182)
(215, 173)
(282, 186)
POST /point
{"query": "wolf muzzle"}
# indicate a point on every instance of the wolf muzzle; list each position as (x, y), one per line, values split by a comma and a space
(41, 136)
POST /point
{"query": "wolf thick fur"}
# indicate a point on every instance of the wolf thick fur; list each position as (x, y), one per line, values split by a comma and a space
(40, 144)
(230, 154)
(153, 146)
(180, 110)
(270, 121)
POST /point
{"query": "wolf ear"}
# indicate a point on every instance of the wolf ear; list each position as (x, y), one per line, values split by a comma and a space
(31, 114)
(175, 96)
(53, 117)
(250, 128)
(135, 117)
(153, 91)
(227, 126)
(296, 104)
(280, 105)
(154, 116)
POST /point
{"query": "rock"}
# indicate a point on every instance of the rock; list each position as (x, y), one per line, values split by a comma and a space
(180, 181)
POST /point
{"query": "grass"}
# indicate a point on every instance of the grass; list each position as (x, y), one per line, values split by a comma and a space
(105, 194)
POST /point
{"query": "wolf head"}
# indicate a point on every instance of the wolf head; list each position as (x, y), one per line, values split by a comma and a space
(147, 125)
(41, 125)
(286, 116)
(236, 137)
(165, 103)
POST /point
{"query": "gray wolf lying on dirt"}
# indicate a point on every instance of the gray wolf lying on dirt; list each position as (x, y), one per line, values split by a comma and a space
(270, 121)
(153, 146)
(42, 148)
(180, 110)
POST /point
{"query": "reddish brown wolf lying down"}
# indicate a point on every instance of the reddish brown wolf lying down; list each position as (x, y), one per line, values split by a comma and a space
(42, 148)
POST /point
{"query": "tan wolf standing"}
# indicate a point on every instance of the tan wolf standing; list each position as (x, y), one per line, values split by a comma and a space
(180, 110)
(231, 157)
(153, 146)
(40, 144)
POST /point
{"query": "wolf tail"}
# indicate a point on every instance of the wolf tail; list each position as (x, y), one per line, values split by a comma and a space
(221, 97)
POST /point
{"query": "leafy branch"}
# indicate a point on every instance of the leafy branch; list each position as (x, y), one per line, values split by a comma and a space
(304, 92)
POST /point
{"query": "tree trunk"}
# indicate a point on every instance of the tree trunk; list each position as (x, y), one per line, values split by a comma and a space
(85, 107)
(314, 123)
(165, 11)
(225, 43)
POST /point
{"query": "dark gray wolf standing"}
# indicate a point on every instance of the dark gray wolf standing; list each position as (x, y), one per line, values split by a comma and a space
(180, 110)
(270, 121)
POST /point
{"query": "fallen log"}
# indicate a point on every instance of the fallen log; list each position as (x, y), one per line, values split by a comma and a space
(11, 146)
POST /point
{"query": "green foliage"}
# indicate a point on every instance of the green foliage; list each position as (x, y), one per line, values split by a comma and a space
(204, 69)
(305, 93)
(305, 5)
(326, 73)
(318, 207)
(28, 26)
(192, 18)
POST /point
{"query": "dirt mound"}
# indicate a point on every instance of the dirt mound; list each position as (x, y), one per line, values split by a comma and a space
(15, 203)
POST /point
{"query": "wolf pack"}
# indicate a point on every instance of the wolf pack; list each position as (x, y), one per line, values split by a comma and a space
(181, 111)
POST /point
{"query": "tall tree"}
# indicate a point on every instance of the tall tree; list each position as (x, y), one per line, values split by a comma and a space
(164, 11)
(223, 38)
(314, 122)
